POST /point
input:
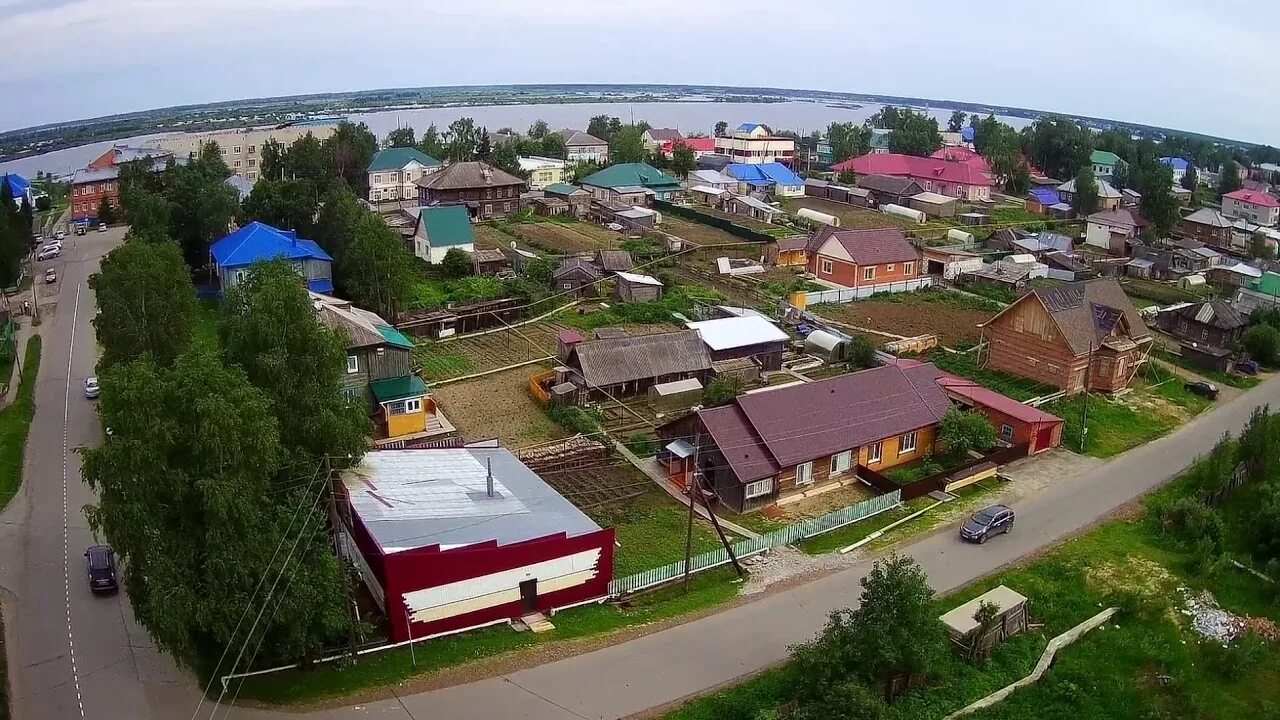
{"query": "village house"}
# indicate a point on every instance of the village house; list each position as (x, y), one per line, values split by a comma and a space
(235, 254)
(714, 179)
(1113, 230)
(1212, 322)
(889, 189)
(578, 200)
(858, 258)
(437, 230)
(753, 144)
(1109, 198)
(634, 287)
(1234, 275)
(774, 178)
(1075, 337)
(450, 539)
(393, 171)
(788, 252)
(1014, 422)
(1209, 226)
(628, 183)
(380, 374)
(485, 191)
(879, 144)
(750, 207)
(1178, 165)
(965, 181)
(581, 147)
(655, 138)
(490, 263)
(701, 146)
(614, 261)
(543, 171)
(1104, 164)
(576, 275)
(746, 336)
(950, 263)
(1259, 294)
(628, 366)
(837, 192)
(1259, 208)
(764, 447)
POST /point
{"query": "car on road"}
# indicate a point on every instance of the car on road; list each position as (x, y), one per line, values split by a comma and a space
(50, 276)
(100, 563)
(91, 388)
(49, 253)
(51, 244)
(60, 235)
(80, 229)
(1203, 388)
(980, 526)
(102, 227)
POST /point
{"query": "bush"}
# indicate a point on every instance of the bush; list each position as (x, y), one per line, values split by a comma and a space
(642, 445)
(721, 391)
(963, 431)
(585, 421)
(1263, 344)
(1236, 659)
(456, 263)
(862, 354)
(1194, 522)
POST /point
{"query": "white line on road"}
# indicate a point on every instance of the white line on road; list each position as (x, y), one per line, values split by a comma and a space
(66, 541)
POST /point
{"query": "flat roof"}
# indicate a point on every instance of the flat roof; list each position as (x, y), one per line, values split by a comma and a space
(410, 499)
(960, 620)
(734, 332)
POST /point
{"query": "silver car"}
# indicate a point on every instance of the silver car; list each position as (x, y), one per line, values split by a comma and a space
(91, 389)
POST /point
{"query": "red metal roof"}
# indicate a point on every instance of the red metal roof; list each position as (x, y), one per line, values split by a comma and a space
(697, 144)
(963, 155)
(916, 167)
(870, 247)
(1254, 197)
(979, 395)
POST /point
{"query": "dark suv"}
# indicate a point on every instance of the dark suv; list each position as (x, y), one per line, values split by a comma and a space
(987, 522)
(100, 560)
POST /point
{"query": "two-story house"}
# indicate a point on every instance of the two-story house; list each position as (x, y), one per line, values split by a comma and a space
(752, 143)
(235, 254)
(486, 191)
(380, 374)
(1256, 207)
(1109, 198)
(766, 446)
(860, 258)
(393, 171)
(655, 138)
(1075, 337)
(1113, 230)
(1104, 164)
(582, 147)
(543, 171)
(1209, 226)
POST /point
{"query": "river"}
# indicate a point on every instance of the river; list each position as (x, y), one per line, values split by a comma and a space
(690, 117)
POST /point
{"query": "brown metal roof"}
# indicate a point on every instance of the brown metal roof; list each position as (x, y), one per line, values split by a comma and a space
(465, 175)
(869, 247)
(890, 184)
(1086, 313)
(577, 266)
(609, 362)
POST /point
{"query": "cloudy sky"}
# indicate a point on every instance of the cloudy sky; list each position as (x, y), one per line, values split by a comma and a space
(1189, 64)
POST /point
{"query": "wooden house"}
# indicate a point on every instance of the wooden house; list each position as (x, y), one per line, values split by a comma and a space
(745, 336)
(889, 189)
(1076, 337)
(1213, 322)
(628, 366)
(485, 191)
(788, 252)
(578, 275)
(858, 258)
(488, 263)
(632, 287)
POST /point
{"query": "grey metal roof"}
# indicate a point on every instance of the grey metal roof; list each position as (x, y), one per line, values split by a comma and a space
(613, 361)
(419, 498)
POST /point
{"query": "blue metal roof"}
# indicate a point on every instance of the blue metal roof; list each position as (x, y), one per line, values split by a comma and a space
(18, 185)
(748, 127)
(1045, 196)
(968, 134)
(764, 174)
(258, 241)
(1176, 163)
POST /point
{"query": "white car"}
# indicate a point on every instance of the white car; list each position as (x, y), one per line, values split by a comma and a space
(50, 276)
(102, 227)
(60, 235)
(91, 389)
(49, 253)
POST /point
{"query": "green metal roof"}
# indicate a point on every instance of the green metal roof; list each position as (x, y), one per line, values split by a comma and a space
(1102, 157)
(395, 337)
(447, 226)
(628, 174)
(397, 157)
(560, 188)
(398, 388)
(1269, 284)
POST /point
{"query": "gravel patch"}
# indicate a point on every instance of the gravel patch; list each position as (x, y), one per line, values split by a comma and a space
(784, 564)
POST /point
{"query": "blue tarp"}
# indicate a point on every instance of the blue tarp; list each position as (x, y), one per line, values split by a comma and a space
(258, 241)
(968, 134)
(764, 174)
(321, 285)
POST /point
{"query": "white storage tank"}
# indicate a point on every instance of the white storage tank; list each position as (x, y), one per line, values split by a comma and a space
(903, 212)
(818, 217)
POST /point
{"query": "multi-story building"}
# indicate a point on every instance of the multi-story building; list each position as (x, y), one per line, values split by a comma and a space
(393, 172)
(581, 147)
(963, 180)
(543, 171)
(486, 191)
(1258, 208)
(100, 179)
(242, 147)
(752, 143)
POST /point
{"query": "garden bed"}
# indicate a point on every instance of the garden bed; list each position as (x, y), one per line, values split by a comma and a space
(952, 317)
(498, 406)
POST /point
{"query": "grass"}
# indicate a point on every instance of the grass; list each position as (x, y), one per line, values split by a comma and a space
(439, 362)
(963, 364)
(1167, 384)
(1112, 427)
(650, 533)
(1160, 292)
(997, 293)
(390, 667)
(15, 424)
(1146, 664)
(1221, 378)
(678, 298)
(433, 293)
(206, 323)
(940, 297)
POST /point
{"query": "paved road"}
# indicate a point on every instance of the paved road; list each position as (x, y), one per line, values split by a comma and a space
(115, 673)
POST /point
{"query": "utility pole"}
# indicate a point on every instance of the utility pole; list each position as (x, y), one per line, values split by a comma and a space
(728, 547)
(1084, 409)
(688, 536)
(335, 523)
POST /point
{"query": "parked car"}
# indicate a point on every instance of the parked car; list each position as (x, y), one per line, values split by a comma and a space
(50, 276)
(60, 235)
(1203, 389)
(91, 388)
(1246, 367)
(102, 227)
(49, 253)
(100, 562)
(51, 244)
(80, 229)
(980, 526)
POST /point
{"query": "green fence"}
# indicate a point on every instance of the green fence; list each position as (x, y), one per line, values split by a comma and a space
(719, 223)
(747, 548)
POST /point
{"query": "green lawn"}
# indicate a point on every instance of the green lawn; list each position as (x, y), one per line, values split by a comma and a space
(941, 297)
(1238, 381)
(15, 423)
(650, 533)
(1113, 427)
(206, 323)
(439, 361)
(963, 364)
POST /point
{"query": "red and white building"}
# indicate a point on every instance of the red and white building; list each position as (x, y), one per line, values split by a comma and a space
(1256, 207)
(752, 144)
(861, 258)
(99, 180)
(700, 146)
(967, 180)
(451, 539)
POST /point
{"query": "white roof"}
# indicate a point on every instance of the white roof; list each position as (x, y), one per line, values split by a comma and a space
(639, 279)
(712, 177)
(675, 387)
(757, 204)
(1245, 269)
(741, 311)
(960, 620)
(932, 198)
(1021, 258)
(537, 162)
(707, 189)
(736, 332)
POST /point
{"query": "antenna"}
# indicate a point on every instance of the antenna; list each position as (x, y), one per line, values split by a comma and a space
(489, 479)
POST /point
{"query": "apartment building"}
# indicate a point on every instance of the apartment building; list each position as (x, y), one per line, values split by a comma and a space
(242, 147)
(753, 144)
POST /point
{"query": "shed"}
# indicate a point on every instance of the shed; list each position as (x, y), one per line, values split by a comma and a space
(612, 261)
(974, 218)
(788, 252)
(490, 262)
(748, 206)
(965, 631)
(950, 262)
(577, 275)
(960, 236)
(934, 204)
(549, 206)
(631, 287)
(1206, 356)
(674, 395)
(744, 370)
(1016, 423)
(832, 347)
(707, 194)
(748, 336)
(1190, 281)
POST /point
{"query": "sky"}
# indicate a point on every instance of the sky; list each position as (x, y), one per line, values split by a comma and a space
(1185, 64)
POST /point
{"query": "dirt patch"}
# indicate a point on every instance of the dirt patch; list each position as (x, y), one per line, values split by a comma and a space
(851, 216)
(604, 486)
(441, 360)
(1147, 402)
(497, 405)
(698, 233)
(822, 504)
(954, 326)
(491, 238)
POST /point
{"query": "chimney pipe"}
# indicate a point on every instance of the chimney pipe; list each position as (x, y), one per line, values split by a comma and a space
(489, 479)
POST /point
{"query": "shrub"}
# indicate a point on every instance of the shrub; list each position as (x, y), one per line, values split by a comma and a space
(1235, 660)
(862, 354)
(1192, 521)
(585, 421)
(1263, 344)
(456, 263)
(963, 431)
(721, 391)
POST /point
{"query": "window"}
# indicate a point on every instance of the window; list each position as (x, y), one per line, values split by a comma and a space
(224, 152)
(908, 268)
(1204, 334)
(506, 207)
(1006, 432)
(804, 473)
(827, 266)
(377, 179)
(235, 163)
(353, 364)
(253, 149)
(875, 451)
(841, 462)
(907, 443)
(869, 273)
(253, 162)
(252, 176)
(350, 393)
(758, 488)
(241, 275)
(413, 405)
(1104, 366)
(236, 149)
(889, 268)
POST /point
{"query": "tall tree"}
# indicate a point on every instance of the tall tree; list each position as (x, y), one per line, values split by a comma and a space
(1191, 178)
(272, 160)
(285, 204)
(1085, 200)
(202, 203)
(146, 304)
(553, 145)
(1260, 247)
(627, 146)
(848, 140)
(1057, 145)
(1230, 180)
(14, 237)
(339, 211)
(721, 128)
(601, 126)
(430, 144)
(189, 497)
(350, 149)
(401, 137)
(376, 269)
(307, 159)
(538, 130)
(683, 160)
(484, 148)
(461, 139)
(106, 212)
(956, 123)
(1159, 205)
(916, 134)
(269, 330)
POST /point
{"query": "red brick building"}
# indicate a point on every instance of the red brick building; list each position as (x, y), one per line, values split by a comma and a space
(100, 179)
(1013, 421)
(858, 258)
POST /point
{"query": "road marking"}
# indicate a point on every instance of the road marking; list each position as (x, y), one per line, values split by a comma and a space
(66, 540)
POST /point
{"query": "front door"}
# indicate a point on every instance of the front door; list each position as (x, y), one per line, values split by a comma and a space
(529, 595)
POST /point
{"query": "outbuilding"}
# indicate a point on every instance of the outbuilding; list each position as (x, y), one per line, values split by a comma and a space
(632, 287)
(934, 204)
(451, 539)
(1015, 422)
(749, 336)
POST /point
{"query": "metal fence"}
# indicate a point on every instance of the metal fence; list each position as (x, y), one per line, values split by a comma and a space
(747, 548)
(865, 291)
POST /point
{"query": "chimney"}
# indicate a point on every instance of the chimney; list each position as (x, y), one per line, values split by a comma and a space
(488, 481)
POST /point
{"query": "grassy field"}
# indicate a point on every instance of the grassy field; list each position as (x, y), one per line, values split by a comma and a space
(15, 423)
(650, 532)
(1237, 381)
(963, 364)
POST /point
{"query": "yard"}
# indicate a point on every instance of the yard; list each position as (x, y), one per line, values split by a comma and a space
(650, 529)
(498, 406)
(700, 234)
(565, 237)
(951, 316)
(444, 359)
(851, 217)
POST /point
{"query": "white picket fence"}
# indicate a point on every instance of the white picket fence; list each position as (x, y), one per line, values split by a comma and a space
(865, 291)
(747, 548)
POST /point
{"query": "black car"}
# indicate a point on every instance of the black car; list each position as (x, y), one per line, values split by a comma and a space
(987, 522)
(100, 560)
(1203, 389)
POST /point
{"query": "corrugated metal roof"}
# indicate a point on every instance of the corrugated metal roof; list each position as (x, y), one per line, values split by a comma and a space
(736, 332)
(398, 388)
(259, 241)
(614, 361)
(447, 226)
(398, 157)
(639, 279)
